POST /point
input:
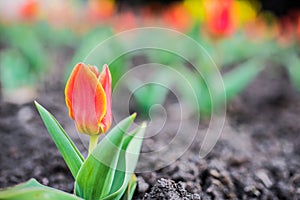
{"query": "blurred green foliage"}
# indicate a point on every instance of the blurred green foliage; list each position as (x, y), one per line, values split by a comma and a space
(289, 58)
(27, 55)
(26, 52)
(239, 59)
(23, 58)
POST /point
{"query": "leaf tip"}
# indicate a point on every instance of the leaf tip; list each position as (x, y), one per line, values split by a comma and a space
(37, 105)
(133, 116)
(144, 124)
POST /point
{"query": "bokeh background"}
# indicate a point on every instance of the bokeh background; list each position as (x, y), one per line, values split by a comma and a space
(41, 39)
(253, 45)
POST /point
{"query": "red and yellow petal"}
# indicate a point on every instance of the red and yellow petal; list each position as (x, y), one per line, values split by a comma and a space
(105, 80)
(86, 93)
(70, 87)
(88, 97)
(94, 69)
(100, 104)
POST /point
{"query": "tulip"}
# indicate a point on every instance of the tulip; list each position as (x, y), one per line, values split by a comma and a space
(100, 10)
(29, 10)
(88, 98)
(177, 17)
(219, 17)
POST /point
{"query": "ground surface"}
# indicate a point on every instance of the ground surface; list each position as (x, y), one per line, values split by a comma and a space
(257, 157)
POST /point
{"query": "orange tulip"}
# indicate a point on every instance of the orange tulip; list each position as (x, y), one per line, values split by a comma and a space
(88, 98)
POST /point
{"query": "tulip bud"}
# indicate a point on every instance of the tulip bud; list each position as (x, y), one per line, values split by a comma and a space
(88, 98)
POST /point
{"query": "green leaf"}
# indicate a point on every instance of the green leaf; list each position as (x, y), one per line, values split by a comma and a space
(154, 92)
(14, 70)
(239, 78)
(24, 38)
(127, 163)
(232, 50)
(130, 189)
(33, 190)
(293, 67)
(67, 148)
(195, 90)
(95, 178)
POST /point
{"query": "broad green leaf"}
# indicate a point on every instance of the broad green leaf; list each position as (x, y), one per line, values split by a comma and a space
(293, 66)
(127, 163)
(14, 70)
(196, 91)
(25, 39)
(33, 190)
(95, 177)
(64, 37)
(239, 78)
(130, 188)
(67, 148)
(151, 93)
(238, 48)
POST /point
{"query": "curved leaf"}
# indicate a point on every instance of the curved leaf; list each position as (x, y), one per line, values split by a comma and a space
(130, 188)
(33, 190)
(67, 148)
(95, 178)
(239, 78)
(293, 67)
(127, 164)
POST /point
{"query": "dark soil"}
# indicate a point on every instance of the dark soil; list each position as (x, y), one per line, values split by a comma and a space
(167, 189)
(257, 157)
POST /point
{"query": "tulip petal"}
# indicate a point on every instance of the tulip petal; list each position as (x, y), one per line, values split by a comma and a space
(94, 69)
(105, 80)
(70, 87)
(88, 101)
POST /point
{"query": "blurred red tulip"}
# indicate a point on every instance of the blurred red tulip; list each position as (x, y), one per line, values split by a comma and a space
(124, 21)
(298, 29)
(29, 10)
(177, 17)
(88, 98)
(219, 17)
(288, 28)
(100, 10)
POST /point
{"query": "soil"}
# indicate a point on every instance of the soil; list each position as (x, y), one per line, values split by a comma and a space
(257, 157)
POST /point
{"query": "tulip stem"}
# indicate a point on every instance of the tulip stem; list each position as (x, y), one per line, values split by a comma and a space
(93, 143)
